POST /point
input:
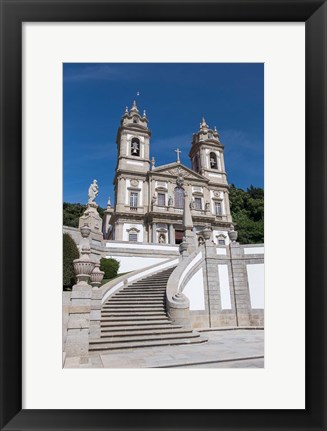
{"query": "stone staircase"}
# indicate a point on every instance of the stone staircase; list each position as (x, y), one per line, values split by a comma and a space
(135, 317)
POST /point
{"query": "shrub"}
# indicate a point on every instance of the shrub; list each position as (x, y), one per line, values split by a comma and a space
(110, 267)
(70, 252)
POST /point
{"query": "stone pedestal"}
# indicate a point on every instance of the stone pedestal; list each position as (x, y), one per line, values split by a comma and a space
(77, 342)
(78, 328)
(92, 219)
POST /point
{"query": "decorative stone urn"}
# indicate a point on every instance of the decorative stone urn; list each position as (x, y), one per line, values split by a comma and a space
(233, 234)
(96, 276)
(206, 233)
(84, 265)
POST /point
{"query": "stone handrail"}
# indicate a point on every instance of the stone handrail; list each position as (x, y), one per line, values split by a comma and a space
(99, 296)
(106, 290)
(178, 305)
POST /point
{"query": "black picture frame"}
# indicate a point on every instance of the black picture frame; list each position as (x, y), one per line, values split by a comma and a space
(13, 14)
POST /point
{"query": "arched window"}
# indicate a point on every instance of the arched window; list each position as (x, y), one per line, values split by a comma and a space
(135, 147)
(135, 120)
(213, 161)
(179, 197)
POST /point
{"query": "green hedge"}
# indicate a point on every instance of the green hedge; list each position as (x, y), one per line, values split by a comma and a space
(70, 252)
(110, 267)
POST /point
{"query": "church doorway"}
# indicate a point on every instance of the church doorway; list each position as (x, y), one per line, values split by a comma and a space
(179, 236)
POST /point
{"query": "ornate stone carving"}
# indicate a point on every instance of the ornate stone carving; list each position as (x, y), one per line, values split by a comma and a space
(96, 276)
(93, 191)
(134, 183)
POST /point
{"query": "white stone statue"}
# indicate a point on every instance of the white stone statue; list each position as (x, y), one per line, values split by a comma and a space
(93, 191)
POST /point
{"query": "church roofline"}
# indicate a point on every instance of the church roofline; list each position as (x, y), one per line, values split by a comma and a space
(160, 169)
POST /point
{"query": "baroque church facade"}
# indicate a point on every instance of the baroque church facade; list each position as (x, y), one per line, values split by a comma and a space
(149, 199)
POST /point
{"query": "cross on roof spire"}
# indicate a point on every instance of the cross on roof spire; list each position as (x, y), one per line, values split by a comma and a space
(178, 151)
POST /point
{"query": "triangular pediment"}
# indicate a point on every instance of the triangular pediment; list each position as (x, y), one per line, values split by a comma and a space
(175, 169)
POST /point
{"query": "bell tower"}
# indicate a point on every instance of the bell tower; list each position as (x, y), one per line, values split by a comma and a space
(207, 154)
(133, 165)
(133, 141)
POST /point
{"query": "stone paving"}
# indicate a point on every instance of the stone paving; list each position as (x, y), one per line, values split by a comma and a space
(237, 348)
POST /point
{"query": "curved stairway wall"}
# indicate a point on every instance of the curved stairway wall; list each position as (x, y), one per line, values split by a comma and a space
(135, 316)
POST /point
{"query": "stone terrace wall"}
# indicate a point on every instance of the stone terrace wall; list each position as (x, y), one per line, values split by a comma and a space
(226, 288)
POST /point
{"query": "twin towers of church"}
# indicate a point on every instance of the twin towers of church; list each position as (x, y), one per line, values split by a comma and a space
(149, 199)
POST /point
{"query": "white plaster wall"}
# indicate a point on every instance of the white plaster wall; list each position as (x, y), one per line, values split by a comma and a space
(134, 263)
(256, 280)
(194, 290)
(225, 298)
(254, 250)
(127, 226)
(189, 267)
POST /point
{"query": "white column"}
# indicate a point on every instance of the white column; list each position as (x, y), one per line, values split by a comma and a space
(171, 234)
(154, 232)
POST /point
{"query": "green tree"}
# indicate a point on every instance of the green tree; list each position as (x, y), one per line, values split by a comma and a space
(72, 213)
(247, 208)
(70, 252)
(110, 267)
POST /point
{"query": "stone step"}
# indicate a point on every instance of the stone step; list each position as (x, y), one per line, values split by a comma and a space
(149, 287)
(127, 338)
(142, 329)
(133, 305)
(119, 326)
(133, 310)
(152, 343)
(135, 318)
(149, 283)
(135, 294)
(153, 290)
(135, 301)
(143, 298)
(144, 332)
(133, 314)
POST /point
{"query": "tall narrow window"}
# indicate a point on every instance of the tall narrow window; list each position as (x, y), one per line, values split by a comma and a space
(198, 203)
(133, 200)
(135, 147)
(213, 161)
(179, 197)
(161, 199)
(218, 208)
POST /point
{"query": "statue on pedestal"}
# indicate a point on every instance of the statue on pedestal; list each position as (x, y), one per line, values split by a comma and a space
(93, 191)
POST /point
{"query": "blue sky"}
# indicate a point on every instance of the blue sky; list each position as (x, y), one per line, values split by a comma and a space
(175, 96)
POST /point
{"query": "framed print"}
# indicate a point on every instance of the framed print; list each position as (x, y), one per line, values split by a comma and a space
(50, 51)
